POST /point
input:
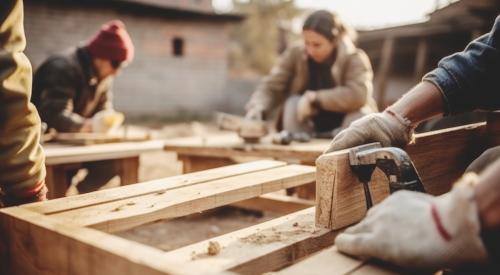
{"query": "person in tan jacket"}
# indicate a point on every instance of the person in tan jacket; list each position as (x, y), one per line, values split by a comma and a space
(321, 85)
(22, 161)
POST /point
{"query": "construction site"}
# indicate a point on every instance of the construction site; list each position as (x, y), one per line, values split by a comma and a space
(249, 137)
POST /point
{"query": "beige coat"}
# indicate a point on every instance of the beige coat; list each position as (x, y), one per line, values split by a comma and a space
(351, 72)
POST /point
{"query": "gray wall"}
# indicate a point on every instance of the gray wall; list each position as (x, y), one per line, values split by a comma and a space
(156, 83)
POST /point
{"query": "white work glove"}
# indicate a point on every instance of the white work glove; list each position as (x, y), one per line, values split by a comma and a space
(305, 106)
(387, 128)
(417, 230)
(106, 121)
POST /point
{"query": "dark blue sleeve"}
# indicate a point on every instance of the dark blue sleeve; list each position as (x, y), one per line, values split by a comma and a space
(470, 79)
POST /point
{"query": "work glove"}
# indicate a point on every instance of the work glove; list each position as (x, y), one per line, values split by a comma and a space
(306, 106)
(484, 160)
(387, 128)
(106, 121)
(417, 230)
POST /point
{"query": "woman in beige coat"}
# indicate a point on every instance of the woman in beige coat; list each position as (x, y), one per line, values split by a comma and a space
(319, 85)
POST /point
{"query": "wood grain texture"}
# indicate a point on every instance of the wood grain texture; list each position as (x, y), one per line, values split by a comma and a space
(130, 212)
(41, 245)
(440, 158)
(257, 249)
(150, 187)
(275, 203)
(328, 261)
(63, 154)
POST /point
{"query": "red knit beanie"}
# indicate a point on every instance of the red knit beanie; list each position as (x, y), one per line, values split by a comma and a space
(112, 42)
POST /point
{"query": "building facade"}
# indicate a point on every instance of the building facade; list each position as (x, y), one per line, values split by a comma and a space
(180, 65)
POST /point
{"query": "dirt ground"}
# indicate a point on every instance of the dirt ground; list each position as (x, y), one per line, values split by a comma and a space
(169, 235)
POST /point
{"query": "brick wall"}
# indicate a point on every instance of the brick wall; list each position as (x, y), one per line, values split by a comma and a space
(156, 83)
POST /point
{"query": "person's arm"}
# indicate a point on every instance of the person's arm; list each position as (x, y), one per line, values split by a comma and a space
(273, 88)
(469, 79)
(358, 86)
(22, 167)
(56, 98)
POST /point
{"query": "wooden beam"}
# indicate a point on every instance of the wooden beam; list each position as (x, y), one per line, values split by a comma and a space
(258, 249)
(37, 244)
(440, 158)
(60, 154)
(150, 187)
(134, 211)
(275, 203)
(384, 70)
(421, 59)
(199, 163)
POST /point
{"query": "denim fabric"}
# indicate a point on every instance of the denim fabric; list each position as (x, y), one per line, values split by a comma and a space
(470, 79)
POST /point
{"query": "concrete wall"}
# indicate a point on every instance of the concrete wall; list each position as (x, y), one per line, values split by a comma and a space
(156, 83)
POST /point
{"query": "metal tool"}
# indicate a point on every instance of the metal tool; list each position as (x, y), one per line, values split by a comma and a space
(394, 162)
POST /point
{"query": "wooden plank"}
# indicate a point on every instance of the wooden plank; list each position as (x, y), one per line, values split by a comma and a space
(421, 59)
(37, 244)
(328, 261)
(230, 145)
(440, 158)
(192, 164)
(150, 187)
(99, 138)
(257, 249)
(63, 154)
(57, 181)
(384, 70)
(130, 212)
(275, 203)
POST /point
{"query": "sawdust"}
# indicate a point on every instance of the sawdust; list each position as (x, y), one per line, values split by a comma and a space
(275, 235)
(213, 248)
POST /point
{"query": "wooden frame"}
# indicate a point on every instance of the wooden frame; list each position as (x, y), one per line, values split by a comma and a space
(70, 235)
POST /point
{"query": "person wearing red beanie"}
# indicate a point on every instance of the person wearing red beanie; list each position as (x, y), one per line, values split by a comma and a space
(70, 88)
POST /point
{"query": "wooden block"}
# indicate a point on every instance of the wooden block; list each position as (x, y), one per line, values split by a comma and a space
(440, 158)
(257, 249)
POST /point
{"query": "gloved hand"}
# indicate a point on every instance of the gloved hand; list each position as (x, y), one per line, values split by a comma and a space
(418, 230)
(484, 160)
(106, 121)
(383, 127)
(305, 106)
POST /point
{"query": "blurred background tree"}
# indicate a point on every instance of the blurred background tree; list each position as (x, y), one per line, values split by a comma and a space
(258, 41)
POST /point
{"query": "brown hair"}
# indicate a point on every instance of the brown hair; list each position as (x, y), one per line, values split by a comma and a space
(327, 24)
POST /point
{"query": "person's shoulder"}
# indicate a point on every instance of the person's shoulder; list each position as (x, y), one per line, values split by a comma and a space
(59, 62)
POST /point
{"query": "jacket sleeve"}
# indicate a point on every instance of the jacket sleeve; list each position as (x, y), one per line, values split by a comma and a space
(273, 88)
(56, 96)
(22, 168)
(469, 79)
(105, 101)
(353, 95)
